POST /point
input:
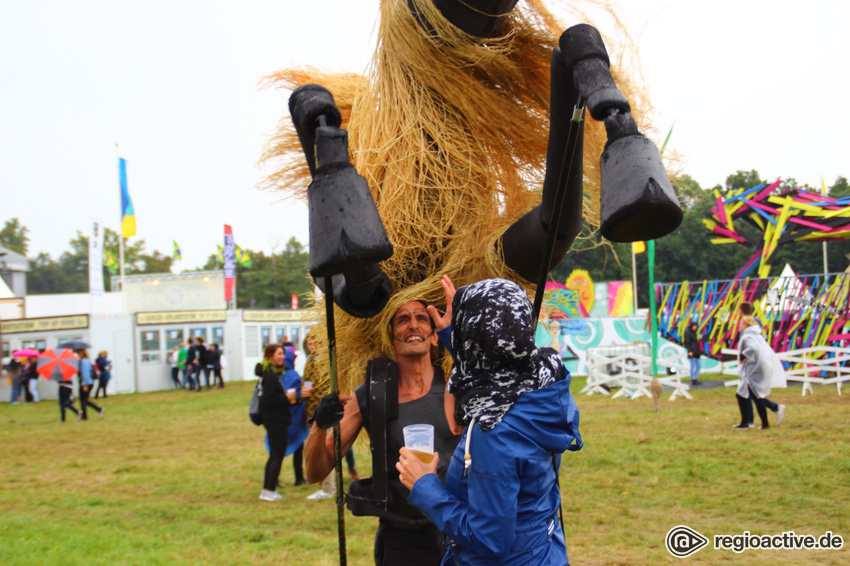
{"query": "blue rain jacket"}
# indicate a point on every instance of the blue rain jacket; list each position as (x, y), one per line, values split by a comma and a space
(504, 509)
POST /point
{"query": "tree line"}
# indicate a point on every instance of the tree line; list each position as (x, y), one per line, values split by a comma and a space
(685, 255)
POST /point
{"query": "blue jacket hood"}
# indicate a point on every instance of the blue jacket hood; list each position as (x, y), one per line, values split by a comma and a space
(549, 417)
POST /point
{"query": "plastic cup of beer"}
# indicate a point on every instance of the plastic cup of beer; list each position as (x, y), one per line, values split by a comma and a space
(419, 439)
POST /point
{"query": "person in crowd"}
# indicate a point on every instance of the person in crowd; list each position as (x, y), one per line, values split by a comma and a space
(214, 365)
(404, 535)
(758, 370)
(297, 430)
(66, 390)
(95, 375)
(182, 354)
(86, 384)
(104, 367)
(201, 363)
(501, 496)
(191, 365)
(15, 370)
(275, 415)
(174, 360)
(29, 379)
(694, 351)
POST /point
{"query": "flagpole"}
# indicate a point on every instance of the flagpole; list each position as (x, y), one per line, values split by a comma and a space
(825, 260)
(634, 277)
(650, 256)
(121, 242)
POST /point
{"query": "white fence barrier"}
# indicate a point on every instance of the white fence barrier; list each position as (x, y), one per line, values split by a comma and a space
(628, 367)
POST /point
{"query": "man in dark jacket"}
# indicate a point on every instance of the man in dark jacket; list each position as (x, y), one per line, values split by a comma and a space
(694, 351)
(201, 362)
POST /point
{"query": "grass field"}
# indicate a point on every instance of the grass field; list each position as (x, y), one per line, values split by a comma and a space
(173, 477)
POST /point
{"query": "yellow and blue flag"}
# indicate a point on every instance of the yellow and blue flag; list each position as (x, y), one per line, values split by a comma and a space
(176, 253)
(128, 215)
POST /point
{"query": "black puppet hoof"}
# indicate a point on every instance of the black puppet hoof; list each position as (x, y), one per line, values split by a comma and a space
(637, 200)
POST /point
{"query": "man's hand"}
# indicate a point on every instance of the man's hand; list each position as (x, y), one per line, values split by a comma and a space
(330, 410)
(410, 468)
(441, 322)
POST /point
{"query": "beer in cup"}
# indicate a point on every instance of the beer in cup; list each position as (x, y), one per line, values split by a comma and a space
(419, 439)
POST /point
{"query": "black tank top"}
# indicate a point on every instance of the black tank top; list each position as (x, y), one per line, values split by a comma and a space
(428, 409)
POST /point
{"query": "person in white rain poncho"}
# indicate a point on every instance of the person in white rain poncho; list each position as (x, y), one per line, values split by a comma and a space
(759, 369)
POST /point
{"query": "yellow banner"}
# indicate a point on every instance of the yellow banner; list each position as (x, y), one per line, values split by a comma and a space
(177, 317)
(276, 315)
(45, 324)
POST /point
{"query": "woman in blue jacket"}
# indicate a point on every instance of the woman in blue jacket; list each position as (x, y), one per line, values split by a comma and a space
(501, 499)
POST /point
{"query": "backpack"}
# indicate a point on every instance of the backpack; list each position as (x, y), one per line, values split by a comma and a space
(254, 406)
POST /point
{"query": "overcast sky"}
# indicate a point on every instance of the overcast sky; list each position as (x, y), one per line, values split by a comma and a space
(750, 84)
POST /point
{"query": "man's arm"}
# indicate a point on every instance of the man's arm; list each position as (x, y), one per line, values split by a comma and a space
(319, 445)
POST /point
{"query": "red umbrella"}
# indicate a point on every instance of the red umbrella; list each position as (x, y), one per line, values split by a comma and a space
(25, 353)
(61, 367)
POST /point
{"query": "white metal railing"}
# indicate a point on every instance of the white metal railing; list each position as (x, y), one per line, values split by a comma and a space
(628, 367)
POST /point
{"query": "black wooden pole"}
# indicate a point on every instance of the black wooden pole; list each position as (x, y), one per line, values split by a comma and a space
(340, 507)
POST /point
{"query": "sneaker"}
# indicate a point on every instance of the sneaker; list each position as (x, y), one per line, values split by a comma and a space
(752, 425)
(102, 412)
(780, 414)
(301, 481)
(763, 427)
(79, 416)
(321, 494)
(266, 495)
(741, 427)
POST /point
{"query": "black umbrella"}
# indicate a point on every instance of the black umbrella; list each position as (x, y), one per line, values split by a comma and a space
(75, 345)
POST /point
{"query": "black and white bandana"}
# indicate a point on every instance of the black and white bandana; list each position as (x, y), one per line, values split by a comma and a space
(496, 360)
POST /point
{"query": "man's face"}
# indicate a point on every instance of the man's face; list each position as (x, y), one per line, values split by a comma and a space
(413, 335)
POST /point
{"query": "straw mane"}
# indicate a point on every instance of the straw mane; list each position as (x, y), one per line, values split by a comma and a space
(451, 136)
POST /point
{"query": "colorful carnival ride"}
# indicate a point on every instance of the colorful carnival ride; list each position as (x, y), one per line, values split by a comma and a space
(791, 215)
(797, 311)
